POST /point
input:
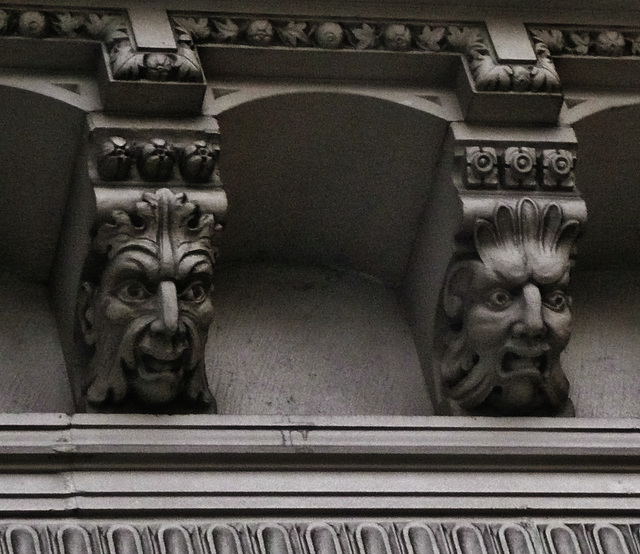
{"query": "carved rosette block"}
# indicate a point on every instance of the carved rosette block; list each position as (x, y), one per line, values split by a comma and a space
(115, 159)
(520, 167)
(482, 167)
(558, 169)
(140, 158)
(504, 314)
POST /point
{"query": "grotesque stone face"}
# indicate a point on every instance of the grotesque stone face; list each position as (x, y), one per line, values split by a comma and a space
(509, 316)
(148, 316)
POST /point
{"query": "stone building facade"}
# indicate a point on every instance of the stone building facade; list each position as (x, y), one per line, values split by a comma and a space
(319, 277)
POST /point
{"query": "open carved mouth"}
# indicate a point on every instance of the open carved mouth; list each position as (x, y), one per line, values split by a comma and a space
(155, 365)
(514, 364)
(151, 368)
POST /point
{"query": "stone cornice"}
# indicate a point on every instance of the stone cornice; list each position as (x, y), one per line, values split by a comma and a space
(113, 30)
(491, 86)
(196, 466)
(395, 36)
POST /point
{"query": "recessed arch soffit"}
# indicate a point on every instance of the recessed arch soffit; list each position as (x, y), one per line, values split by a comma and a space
(607, 170)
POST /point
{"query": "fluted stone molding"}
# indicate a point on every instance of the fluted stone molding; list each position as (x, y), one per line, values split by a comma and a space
(320, 537)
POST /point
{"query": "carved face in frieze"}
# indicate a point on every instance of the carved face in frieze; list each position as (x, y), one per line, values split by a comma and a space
(148, 315)
(509, 316)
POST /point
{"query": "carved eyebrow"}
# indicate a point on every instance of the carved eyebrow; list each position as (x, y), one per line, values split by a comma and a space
(147, 247)
(203, 265)
(130, 267)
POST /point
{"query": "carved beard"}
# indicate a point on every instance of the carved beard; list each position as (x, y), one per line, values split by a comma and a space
(119, 370)
(487, 385)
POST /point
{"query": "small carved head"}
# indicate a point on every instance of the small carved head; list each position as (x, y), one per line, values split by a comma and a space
(158, 66)
(260, 32)
(145, 306)
(508, 315)
(329, 35)
(521, 78)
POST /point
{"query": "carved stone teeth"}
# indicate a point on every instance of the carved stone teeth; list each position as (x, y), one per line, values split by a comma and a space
(155, 365)
(515, 363)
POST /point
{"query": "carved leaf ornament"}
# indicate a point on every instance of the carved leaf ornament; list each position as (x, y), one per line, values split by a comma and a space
(522, 236)
(112, 29)
(392, 36)
(588, 42)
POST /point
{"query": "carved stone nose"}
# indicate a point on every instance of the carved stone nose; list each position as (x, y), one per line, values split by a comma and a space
(166, 321)
(530, 324)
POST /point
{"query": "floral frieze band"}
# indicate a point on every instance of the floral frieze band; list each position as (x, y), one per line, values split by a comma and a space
(112, 29)
(589, 42)
(470, 40)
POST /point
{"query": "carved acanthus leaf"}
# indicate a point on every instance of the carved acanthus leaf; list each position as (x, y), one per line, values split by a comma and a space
(198, 27)
(524, 234)
(431, 38)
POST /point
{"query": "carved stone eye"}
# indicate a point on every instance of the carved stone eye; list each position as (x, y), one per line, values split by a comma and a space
(500, 299)
(195, 292)
(556, 300)
(133, 291)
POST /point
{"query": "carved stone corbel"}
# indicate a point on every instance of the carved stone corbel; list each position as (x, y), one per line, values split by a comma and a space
(508, 314)
(145, 298)
(505, 313)
(498, 245)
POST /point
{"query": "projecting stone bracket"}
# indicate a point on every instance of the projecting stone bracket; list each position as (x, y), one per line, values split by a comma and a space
(144, 300)
(492, 340)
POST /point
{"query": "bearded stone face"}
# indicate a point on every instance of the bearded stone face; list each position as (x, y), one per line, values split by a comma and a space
(148, 313)
(149, 329)
(505, 357)
(508, 315)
